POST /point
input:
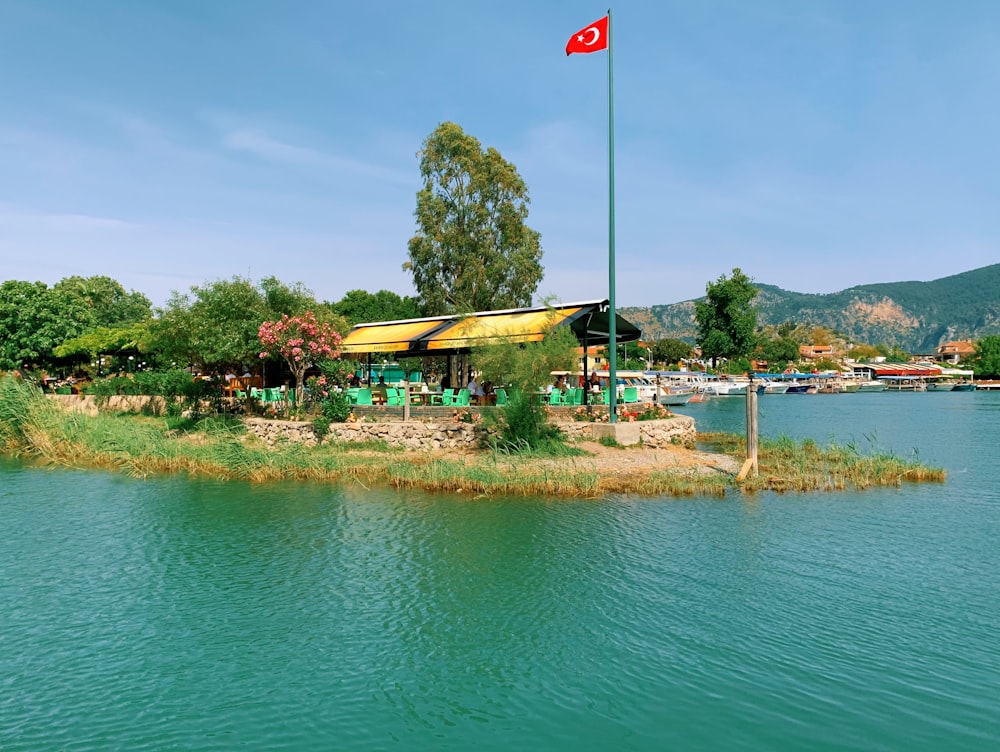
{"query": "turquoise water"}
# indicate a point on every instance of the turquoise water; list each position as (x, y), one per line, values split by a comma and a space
(172, 614)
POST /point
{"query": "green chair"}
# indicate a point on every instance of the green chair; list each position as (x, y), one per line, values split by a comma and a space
(501, 396)
(630, 394)
(393, 396)
(364, 397)
(444, 398)
(352, 394)
(557, 397)
(461, 398)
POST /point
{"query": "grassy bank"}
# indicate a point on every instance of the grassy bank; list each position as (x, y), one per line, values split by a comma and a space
(33, 428)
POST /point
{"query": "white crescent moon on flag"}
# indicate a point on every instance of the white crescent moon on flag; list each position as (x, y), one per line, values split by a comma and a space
(597, 35)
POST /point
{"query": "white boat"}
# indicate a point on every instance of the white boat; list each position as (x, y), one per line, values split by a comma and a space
(774, 387)
(678, 396)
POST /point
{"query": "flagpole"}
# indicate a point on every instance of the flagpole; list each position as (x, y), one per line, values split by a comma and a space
(612, 316)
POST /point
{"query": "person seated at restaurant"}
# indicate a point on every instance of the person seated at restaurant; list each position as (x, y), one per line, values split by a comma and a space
(355, 380)
(595, 382)
(489, 398)
(475, 391)
(445, 382)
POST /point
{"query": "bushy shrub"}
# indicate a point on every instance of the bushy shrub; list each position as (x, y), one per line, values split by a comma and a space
(170, 385)
(335, 408)
(519, 425)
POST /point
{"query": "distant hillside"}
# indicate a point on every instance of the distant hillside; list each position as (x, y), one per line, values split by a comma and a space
(916, 316)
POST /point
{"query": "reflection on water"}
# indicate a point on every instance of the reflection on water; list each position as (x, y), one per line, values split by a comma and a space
(202, 615)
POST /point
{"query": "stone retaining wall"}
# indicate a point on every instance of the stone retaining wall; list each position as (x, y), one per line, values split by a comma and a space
(429, 428)
(119, 403)
(435, 434)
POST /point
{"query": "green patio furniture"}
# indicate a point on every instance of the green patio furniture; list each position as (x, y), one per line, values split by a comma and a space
(364, 397)
(444, 398)
(630, 394)
(501, 396)
(393, 396)
(461, 398)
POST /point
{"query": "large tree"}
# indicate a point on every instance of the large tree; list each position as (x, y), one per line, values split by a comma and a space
(473, 250)
(727, 320)
(34, 319)
(213, 327)
(669, 350)
(361, 306)
(986, 363)
(105, 300)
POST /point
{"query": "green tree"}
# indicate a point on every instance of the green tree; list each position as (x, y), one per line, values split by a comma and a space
(473, 250)
(726, 318)
(361, 306)
(34, 319)
(105, 300)
(213, 327)
(778, 352)
(986, 362)
(669, 350)
(286, 300)
(863, 353)
(105, 339)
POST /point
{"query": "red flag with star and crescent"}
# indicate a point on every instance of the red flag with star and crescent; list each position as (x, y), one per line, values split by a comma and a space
(590, 38)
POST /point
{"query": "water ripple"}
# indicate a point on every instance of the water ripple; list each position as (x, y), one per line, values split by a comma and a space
(199, 615)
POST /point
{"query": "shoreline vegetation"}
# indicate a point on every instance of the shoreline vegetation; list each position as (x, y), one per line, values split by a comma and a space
(139, 446)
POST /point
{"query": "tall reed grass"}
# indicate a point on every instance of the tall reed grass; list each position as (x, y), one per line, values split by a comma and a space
(34, 428)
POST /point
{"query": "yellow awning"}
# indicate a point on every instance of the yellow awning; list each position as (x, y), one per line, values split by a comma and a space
(518, 326)
(393, 337)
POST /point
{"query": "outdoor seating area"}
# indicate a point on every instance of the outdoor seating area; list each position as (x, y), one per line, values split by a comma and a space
(236, 386)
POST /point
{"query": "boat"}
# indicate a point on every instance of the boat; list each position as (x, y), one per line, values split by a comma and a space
(802, 389)
(964, 386)
(673, 397)
(731, 388)
(940, 386)
(904, 383)
(871, 386)
(774, 387)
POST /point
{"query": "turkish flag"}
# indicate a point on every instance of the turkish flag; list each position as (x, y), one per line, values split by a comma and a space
(590, 38)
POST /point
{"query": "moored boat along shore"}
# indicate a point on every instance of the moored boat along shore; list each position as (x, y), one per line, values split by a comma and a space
(38, 430)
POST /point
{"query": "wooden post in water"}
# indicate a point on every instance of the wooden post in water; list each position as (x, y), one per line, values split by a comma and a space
(751, 460)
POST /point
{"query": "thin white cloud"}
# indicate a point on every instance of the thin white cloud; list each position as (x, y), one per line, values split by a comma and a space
(29, 219)
(259, 143)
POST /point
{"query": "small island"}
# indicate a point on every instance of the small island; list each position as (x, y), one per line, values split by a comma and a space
(41, 430)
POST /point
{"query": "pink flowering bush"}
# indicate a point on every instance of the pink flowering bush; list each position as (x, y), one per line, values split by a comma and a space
(301, 341)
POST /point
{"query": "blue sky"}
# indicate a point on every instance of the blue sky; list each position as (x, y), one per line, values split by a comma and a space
(816, 145)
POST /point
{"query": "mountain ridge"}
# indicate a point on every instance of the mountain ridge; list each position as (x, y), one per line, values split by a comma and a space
(915, 316)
